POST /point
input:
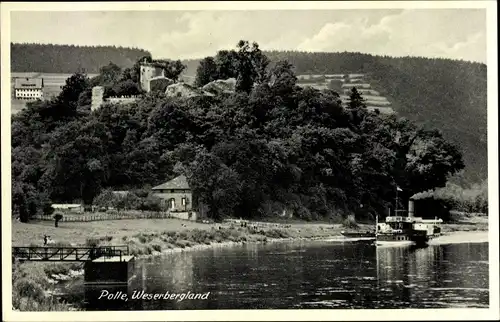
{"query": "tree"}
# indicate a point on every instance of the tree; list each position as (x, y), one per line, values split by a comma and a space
(172, 69)
(67, 101)
(105, 199)
(214, 185)
(57, 217)
(227, 64)
(282, 78)
(126, 88)
(431, 161)
(355, 99)
(109, 74)
(150, 203)
(76, 159)
(206, 72)
(251, 66)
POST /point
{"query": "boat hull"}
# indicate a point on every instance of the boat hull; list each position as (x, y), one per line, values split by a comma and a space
(385, 243)
(404, 239)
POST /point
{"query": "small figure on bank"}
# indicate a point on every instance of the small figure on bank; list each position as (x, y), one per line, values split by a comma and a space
(57, 217)
(45, 239)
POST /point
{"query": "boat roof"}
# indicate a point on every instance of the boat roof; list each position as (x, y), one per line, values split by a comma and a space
(402, 219)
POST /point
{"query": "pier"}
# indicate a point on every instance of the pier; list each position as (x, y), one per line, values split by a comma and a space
(103, 265)
(68, 254)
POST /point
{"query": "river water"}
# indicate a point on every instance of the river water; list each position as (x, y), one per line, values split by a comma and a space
(309, 274)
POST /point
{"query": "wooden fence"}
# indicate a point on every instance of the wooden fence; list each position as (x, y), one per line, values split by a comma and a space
(85, 217)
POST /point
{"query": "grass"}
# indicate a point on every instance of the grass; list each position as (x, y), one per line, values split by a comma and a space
(77, 232)
(31, 283)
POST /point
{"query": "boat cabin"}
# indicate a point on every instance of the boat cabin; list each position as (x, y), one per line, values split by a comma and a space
(394, 224)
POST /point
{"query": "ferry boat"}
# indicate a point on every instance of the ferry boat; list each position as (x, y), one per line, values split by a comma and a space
(408, 229)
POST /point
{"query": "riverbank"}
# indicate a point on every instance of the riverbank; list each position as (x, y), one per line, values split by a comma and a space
(33, 283)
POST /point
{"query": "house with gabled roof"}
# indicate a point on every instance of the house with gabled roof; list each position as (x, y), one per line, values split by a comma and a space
(176, 196)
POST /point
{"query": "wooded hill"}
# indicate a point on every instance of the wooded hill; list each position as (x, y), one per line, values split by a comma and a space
(268, 148)
(48, 58)
(448, 95)
(445, 94)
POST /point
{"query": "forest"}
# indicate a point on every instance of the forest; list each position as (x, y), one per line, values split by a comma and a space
(444, 94)
(68, 59)
(270, 147)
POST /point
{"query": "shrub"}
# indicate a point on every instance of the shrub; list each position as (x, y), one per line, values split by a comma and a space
(59, 268)
(106, 238)
(350, 222)
(156, 247)
(235, 233)
(28, 288)
(92, 242)
(199, 236)
(182, 235)
(275, 233)
(180, 243)
(150, 203)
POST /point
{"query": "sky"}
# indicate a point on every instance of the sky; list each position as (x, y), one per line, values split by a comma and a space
(447, 33)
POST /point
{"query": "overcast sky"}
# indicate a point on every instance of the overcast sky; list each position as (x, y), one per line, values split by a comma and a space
(449, 33)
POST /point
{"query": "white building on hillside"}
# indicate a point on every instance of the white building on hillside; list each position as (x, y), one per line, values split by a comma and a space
(28, 88)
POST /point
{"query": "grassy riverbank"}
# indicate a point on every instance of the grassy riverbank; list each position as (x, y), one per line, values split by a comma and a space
(33, 282)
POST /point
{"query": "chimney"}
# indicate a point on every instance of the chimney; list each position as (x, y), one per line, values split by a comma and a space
(411, 208)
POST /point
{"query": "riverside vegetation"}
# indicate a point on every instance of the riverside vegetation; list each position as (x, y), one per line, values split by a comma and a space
(268, 148)
(33, 282)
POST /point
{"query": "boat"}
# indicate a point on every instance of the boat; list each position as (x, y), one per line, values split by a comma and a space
(399, 230)
(358, 234)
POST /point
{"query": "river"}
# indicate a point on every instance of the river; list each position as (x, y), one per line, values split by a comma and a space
(309, 274)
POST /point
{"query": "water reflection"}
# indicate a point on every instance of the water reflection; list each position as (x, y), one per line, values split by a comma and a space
(434, 276)
(316, 275)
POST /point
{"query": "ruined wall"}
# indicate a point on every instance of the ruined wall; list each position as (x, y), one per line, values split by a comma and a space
(97, 97)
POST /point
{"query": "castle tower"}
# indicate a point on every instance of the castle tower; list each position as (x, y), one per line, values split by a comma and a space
(149, 71)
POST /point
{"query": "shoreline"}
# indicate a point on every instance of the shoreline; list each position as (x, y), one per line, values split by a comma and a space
(441, 240)
(226, 244)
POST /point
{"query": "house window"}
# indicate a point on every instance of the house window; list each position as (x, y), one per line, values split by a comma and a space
(172, 203)
(183, 201)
